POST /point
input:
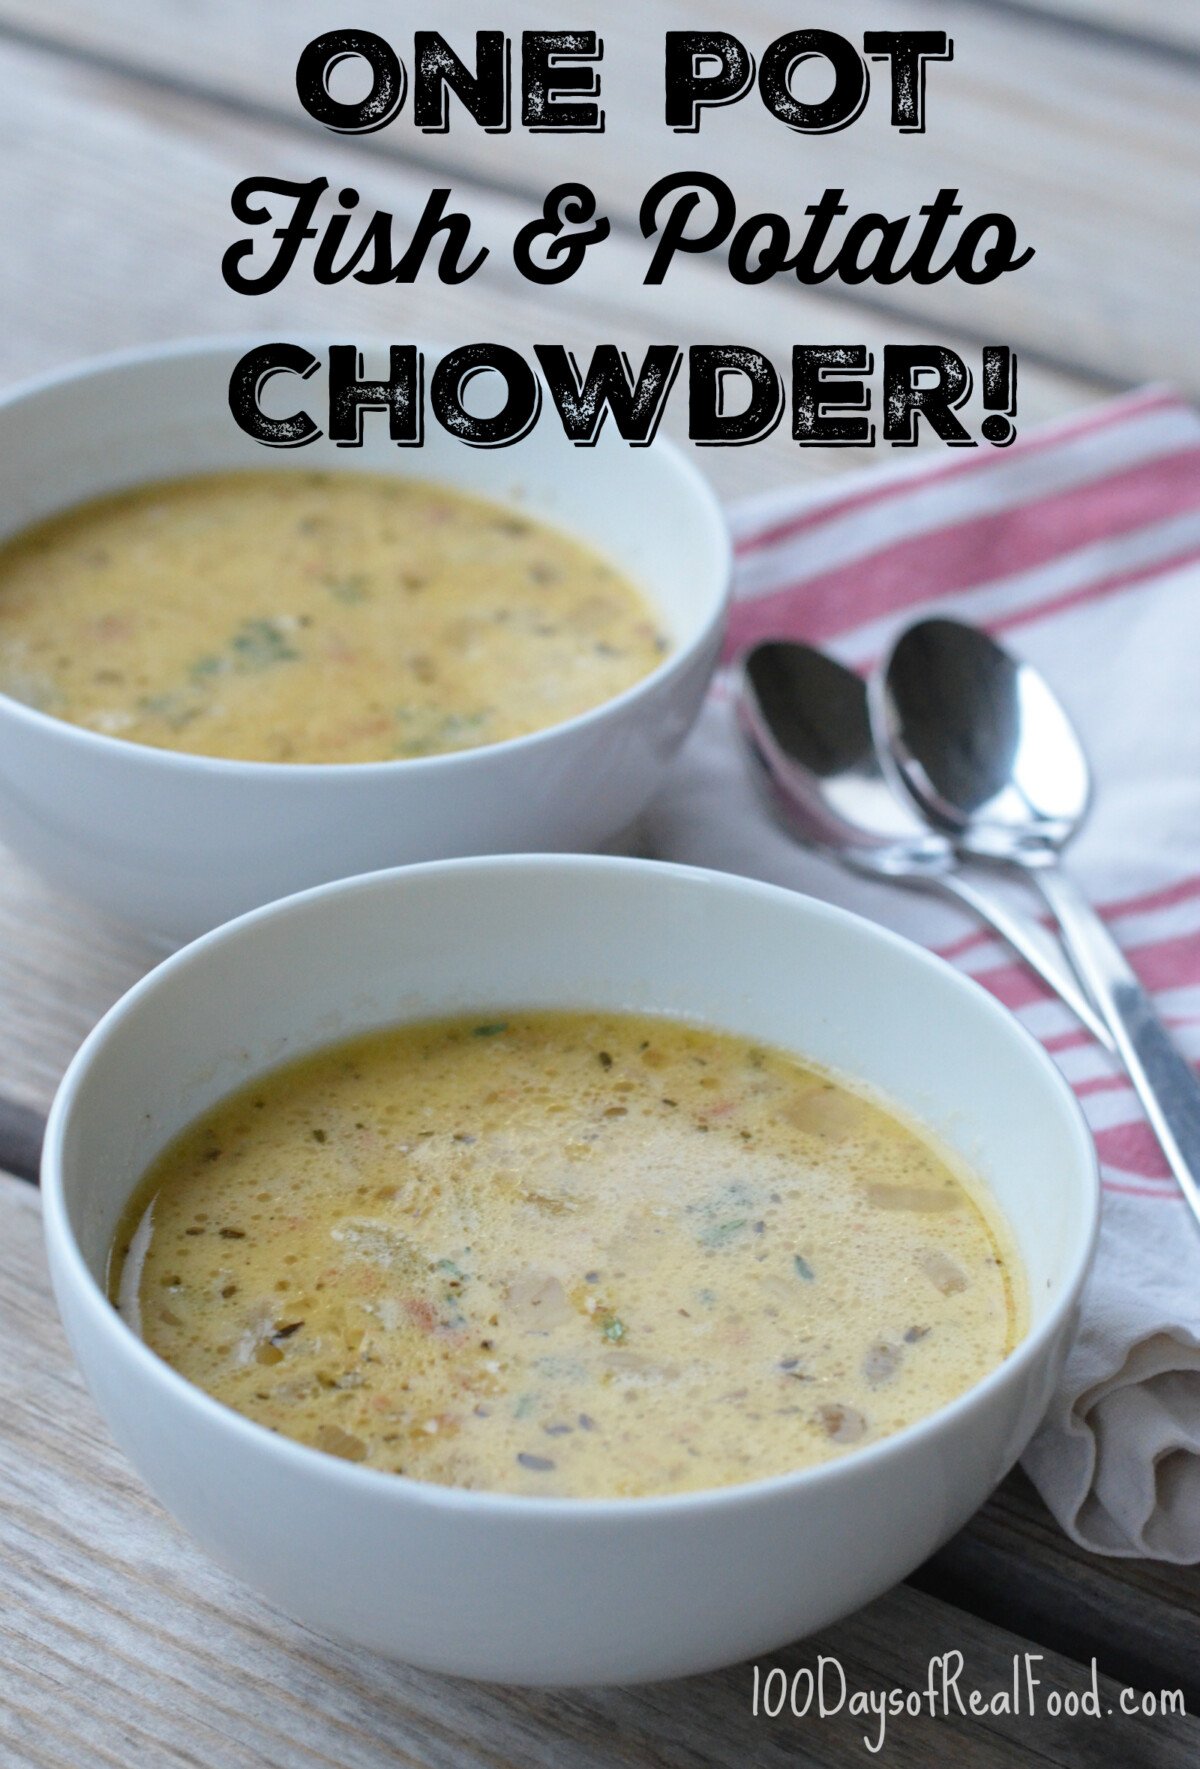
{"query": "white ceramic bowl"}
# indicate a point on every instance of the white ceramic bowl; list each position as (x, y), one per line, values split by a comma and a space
(529, 1590)
(177, 843)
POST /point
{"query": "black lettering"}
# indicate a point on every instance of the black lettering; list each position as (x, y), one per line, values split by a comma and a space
(674, 237)
(712, 370)
(755, 260)
(942, 209)
(691, 86)
(569, 226)
(549, 71)
(246, 385)
(945, 382)
(999, 395)
(291, 237)
(584, 401)
(819, 371)
(856, 266)
(821, 216)
(851, 82)
(908, 51)
(522, 404)
(437, 71)
(997, 258)
(401, 396)
(317, 62)
(376, 239)
(457, 229)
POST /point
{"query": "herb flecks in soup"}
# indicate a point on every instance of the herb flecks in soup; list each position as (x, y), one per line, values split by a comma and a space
(313, 617)
(565, 1254)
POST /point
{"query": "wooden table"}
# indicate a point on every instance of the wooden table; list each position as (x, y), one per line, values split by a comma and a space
(124, 129)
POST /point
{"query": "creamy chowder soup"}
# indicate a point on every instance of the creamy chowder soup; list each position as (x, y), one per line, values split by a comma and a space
(313, 617)
(566, 1254)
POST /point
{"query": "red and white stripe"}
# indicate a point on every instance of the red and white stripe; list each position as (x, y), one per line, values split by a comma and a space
(1065, 538)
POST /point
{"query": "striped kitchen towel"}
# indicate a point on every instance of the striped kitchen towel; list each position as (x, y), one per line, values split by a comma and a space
(1081, 545)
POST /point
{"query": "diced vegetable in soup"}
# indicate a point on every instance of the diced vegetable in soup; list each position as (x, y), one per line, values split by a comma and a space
(566, 1254)
(314, 617)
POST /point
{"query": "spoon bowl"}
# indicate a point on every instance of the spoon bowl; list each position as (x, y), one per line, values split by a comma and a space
(979, 742)
(807, 727)
(805, 720)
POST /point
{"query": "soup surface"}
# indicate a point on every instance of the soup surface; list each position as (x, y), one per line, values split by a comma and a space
(313, 617)
(565, 1254)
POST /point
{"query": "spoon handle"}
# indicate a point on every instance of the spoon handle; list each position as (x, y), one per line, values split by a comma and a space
(1040, 950)
(1165, 1081)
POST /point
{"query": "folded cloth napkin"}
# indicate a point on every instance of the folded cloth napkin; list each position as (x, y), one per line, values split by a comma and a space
(1080, 545)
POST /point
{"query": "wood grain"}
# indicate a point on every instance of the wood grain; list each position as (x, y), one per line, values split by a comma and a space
(1013, 1566)
(1089, 147)
(1168, 27)
(61, 967)
(120, 1643)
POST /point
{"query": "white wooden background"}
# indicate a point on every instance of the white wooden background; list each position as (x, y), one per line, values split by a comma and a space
(124, 125)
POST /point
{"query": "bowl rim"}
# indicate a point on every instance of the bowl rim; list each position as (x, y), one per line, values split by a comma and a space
(563, 1511)
(678, 658)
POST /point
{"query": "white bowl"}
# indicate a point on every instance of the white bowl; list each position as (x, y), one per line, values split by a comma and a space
(177, 843)
(529, 1590)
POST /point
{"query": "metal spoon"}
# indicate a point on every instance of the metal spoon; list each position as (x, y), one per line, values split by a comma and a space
(806, 724)
(989, 755)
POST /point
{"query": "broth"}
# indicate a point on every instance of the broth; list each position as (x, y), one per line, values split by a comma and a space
(314, 617)
(566, 1254)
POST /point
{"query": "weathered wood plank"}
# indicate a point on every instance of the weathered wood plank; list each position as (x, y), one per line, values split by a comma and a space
(1090, 148)
(118, 1640)
(1165, 27)
(1013, 1566)
(60, 968)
